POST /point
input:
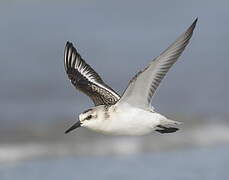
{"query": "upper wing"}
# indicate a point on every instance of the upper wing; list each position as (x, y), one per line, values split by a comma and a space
(143, 86)
(84, 78)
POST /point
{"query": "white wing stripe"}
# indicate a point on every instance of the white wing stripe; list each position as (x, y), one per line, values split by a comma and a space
(100, 85)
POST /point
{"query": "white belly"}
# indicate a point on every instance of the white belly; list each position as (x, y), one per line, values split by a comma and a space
(128, 121)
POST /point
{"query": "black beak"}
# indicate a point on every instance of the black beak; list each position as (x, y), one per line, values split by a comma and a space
(76, 125)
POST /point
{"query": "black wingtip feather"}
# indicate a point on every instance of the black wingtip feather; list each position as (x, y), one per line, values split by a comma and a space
(194, 23)
(191, 28)
(69, 51)
(68, 43)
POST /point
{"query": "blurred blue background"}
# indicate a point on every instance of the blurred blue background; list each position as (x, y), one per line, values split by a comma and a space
(117, 38)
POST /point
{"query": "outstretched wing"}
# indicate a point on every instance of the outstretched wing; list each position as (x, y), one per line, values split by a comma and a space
(142, 87)
(85, 79)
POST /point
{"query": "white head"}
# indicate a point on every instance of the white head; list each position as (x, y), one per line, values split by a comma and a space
(88, 118)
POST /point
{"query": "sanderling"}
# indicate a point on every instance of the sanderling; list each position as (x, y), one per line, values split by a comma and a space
(132, 113)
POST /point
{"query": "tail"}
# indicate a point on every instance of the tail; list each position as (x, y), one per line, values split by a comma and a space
(166, 126)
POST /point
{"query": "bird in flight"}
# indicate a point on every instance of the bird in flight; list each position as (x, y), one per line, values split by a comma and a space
(131, 113)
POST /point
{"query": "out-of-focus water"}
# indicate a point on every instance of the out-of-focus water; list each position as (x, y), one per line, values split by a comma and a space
(198, 164)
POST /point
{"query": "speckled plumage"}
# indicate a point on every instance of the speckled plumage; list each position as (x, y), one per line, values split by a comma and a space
(85, 79)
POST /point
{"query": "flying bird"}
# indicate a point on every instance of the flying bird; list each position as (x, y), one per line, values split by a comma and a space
(131, 113)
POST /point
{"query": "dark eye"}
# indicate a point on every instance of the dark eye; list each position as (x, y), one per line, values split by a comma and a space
(89, 117)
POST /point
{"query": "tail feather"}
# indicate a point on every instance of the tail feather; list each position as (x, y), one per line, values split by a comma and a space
(163, 129)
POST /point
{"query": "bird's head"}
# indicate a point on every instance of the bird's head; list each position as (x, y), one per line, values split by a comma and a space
(85, 119)
(88, 115)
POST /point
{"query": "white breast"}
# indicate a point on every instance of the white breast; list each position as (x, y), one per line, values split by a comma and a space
(127, 120)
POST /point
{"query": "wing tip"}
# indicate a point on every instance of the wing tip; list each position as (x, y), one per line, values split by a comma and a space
(68, 43)
(194, 23)
(68, 53)
(66, 50)
(192, 27)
